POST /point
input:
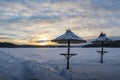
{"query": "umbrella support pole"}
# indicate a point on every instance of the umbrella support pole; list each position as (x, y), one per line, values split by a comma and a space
(68, 58)
(102, 52)
(68, 55)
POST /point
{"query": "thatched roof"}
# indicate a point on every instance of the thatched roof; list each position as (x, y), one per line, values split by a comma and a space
(102, 37)
(68, 36)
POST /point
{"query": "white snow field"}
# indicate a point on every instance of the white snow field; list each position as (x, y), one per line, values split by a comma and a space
(47, 64)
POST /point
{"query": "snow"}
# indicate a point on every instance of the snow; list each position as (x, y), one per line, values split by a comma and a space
(69, 35)
(47, 64)
(102, 37)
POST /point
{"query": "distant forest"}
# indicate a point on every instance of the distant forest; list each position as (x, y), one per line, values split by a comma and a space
(12, 45)
(113, 44)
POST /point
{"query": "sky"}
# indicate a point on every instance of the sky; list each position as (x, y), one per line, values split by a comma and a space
(33, 21)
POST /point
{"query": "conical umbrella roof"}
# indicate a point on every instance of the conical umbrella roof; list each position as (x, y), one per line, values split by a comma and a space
(102, 38)
(69, 36)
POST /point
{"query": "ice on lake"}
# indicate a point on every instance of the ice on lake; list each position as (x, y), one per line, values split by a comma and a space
(47, 64)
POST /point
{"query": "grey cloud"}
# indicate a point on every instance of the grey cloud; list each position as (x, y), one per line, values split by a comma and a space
(5, 38)
(106, 4)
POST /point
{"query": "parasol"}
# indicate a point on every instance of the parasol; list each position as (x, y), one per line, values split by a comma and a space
(102, 39)
(68, 37)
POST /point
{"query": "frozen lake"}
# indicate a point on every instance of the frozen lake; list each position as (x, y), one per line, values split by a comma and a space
(84, 66)
(85, 55)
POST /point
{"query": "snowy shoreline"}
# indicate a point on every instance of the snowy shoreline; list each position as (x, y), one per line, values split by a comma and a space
(47, 64)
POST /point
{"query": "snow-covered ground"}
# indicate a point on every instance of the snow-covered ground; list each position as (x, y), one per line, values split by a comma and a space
(47, 64)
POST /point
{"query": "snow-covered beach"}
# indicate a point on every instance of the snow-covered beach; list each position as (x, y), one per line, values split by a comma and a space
(47, 64)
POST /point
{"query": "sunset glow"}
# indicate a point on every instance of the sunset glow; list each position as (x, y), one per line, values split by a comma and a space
(43, 40)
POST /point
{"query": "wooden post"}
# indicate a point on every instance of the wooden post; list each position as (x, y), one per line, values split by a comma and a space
(102, 52)
(68, 54)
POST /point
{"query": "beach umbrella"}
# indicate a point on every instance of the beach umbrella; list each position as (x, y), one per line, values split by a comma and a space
(102, 39)
(68, 37)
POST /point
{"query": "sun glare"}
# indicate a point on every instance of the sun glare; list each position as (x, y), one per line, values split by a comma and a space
(43, 41)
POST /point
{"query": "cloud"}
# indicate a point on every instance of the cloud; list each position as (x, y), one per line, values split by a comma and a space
(28, 19)
(106, 4)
